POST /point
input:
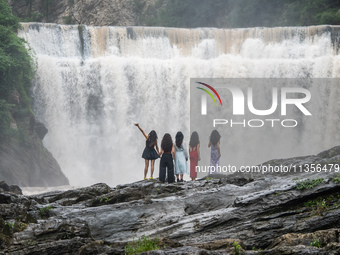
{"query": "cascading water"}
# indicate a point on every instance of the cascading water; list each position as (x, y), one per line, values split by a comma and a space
(93, 83)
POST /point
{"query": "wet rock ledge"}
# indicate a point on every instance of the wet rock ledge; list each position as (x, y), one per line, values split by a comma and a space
(291, 213)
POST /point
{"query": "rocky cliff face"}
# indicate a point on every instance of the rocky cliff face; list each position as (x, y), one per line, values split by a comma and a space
(87, 12)
(29, 164)
(24, 160)
(296, 213)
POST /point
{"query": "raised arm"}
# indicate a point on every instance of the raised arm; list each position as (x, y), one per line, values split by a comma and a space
(141, 130)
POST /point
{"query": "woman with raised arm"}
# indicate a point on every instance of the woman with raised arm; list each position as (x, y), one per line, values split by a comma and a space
(149, 153)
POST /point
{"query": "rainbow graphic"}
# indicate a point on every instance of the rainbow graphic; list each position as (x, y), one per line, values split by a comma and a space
(204, 98)
(209, 93)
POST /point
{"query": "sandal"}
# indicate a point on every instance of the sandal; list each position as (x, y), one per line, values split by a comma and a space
(151, 178)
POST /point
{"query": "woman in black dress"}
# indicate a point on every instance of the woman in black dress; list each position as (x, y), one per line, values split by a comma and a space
(168, 153)
(149, 152)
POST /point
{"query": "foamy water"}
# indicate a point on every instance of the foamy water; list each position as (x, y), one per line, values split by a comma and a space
(89, 96)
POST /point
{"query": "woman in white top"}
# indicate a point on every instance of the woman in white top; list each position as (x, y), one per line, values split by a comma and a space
(181, 157)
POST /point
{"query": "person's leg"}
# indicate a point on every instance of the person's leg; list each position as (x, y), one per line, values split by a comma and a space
(170, 170)
(182, 177)
(177, 177)
(162, 169)
(152, 168)
(193, 173)
(146, 168)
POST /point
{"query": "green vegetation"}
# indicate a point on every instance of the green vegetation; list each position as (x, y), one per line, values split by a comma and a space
(257, 250)
(20, 226)
(33, 17)
(15, 226)
(239, 13)
(31, 242)
(143, 244)
(43, 9)
(237, 248)
(336, 180)
(67, 235)
(68, 20)
(5, 118)
(323, 204)
(309, 183)
(45, 211)
(213, 13)
(10, 226)
(315, 243)
(16, 72)
(106, 199)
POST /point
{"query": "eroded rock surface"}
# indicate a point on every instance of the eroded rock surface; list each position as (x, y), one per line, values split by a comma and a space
(263, 213)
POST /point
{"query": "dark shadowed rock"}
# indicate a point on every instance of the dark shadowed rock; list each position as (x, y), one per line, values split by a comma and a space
(40, 130)
(4, 187)
(15, 189)
(24, 160)
(29, 165)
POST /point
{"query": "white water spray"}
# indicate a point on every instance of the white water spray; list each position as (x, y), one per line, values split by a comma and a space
(93, 83)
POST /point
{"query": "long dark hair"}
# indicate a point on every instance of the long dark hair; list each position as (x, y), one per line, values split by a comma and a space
(152, 136)
(215, 137)
(179, 139)
(194, 139)
(167, 143)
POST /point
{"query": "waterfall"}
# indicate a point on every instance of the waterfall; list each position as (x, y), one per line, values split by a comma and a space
(93, 83)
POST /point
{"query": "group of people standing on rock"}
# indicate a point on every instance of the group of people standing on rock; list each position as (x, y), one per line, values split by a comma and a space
(174, 156)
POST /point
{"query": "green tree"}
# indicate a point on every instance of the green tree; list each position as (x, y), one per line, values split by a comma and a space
(242, 13)
(16, 66)
(189, 13)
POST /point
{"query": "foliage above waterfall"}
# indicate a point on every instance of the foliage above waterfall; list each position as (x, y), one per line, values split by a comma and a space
(16, 68)
(179, 13)
(242, 13)
(6, 18)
